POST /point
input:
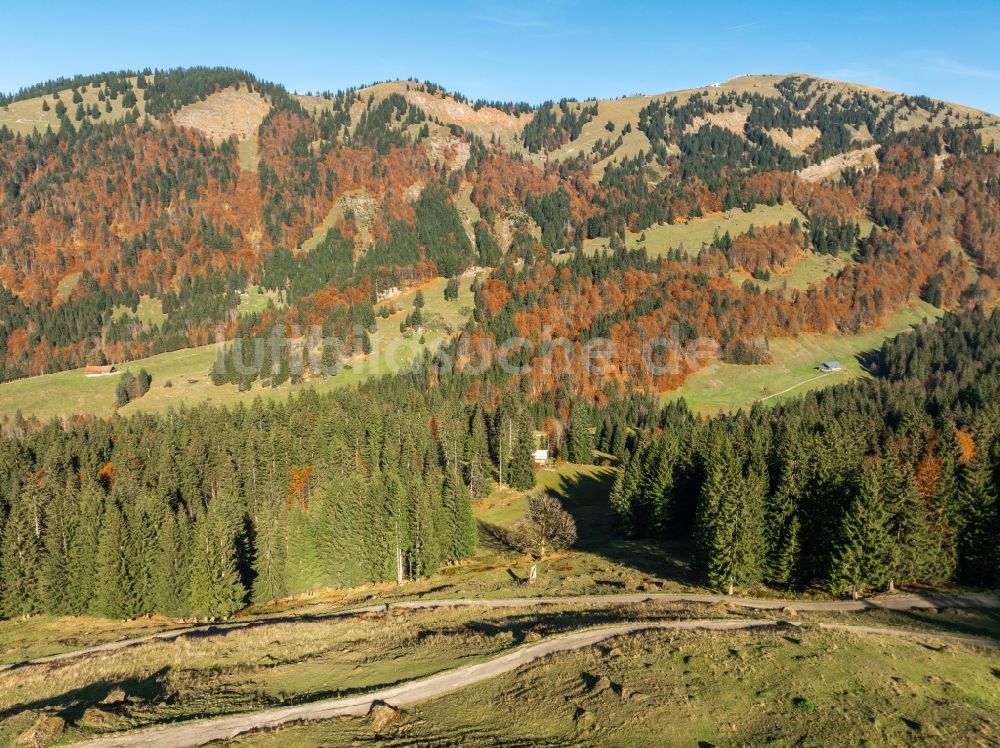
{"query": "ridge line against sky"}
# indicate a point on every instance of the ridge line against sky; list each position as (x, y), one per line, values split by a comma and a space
(520, 51)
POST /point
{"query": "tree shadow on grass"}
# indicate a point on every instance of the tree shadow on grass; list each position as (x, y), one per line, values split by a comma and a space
(972, 622)
(495, 538)
(585, 496)
(868, 360)
(73, 703)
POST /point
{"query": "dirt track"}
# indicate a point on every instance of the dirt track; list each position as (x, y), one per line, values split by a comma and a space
(895, 602)
(224, 728)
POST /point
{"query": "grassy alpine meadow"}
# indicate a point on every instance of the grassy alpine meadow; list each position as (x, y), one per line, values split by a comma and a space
(803, 687)
(286, 660)
(249, 157)
(805, 272)
(42, 636)
(695, 232)
(148, 311)
(722, 387)
(183, 376)
(27, 115)
(67, 393)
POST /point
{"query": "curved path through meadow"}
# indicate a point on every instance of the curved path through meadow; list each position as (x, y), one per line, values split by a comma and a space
(226, 728)
(893, 602)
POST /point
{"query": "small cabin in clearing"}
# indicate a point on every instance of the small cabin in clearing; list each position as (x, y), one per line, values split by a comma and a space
(100, 371)
(830, 366)
(540, 456)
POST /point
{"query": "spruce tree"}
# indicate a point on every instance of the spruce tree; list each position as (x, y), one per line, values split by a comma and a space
(172, 570)
(657, 486)
(304, 566)
(427, 521)
(216, 586)
(580, 447)
(781, 514)
(520, 471)
(460, 529)
(60, 525)
(20, 556)
(341, 535)
(918, 552)
(83, 552)
(622, 495)
(475, 455)
(730, 533)
(144, 516)
(115, 593)
(863, 555)
(979, 555)
(270, 554)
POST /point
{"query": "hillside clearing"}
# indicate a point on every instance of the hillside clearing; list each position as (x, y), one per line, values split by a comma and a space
(804, 272)
(67, 393)
(694, 233)
(149, 311)
(249, 157)
(66, 285)
(834, 166)
(26, 115)
(359, 204)
(722, 387)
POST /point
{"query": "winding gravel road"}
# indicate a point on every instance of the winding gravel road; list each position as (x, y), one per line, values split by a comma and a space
(894, 602)
(225, 728)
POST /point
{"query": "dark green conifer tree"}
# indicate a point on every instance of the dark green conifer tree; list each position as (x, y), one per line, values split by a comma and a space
(729, 524)
(781, 525)
(20, 557)
(863, 555)
(580, 444)
(115, 592)
(460, 532)
(979, 543)
(216, 586)
(172, 570)
(60, 526)
(83, 552)
(341, 535)
(520, 471)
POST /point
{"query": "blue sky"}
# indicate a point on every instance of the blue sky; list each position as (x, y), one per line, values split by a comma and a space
(520, 50)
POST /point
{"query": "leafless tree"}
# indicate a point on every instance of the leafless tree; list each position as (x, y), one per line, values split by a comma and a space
(548, 527)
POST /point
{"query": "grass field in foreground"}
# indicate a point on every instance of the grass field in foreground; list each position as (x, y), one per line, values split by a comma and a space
(283, 662)
(697, 231)
(721, 387)
(67, 393)
(288, 660)
(747, 688)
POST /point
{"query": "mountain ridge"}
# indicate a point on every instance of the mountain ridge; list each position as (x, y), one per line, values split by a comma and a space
(182, 191)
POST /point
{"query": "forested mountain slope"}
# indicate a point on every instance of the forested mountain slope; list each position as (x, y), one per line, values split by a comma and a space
(180, 190)
(147, 228)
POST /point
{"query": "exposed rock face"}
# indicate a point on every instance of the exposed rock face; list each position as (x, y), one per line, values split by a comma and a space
(225, 113)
